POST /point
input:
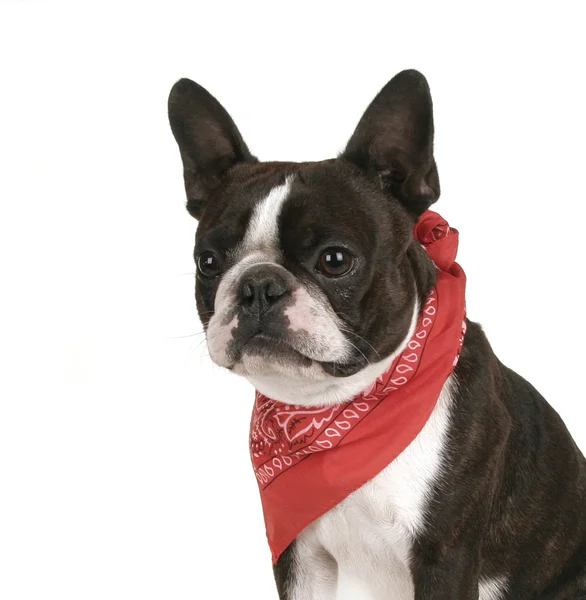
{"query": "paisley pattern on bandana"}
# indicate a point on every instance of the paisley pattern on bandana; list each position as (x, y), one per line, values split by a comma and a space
(282, 435)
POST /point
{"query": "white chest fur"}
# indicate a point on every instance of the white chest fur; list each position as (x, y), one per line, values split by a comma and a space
(370, 534)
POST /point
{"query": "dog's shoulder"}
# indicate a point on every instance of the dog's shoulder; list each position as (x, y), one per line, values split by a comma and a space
(511, 472)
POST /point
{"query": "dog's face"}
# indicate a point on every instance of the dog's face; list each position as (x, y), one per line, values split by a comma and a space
(308, 277)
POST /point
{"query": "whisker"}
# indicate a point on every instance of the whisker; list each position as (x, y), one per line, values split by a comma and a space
(345, 330)
(357, 348)
(178, 337)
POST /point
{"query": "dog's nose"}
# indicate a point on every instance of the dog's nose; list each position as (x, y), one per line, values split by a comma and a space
(262, 287)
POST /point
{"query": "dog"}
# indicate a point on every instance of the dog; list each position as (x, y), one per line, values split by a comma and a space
(309, 283)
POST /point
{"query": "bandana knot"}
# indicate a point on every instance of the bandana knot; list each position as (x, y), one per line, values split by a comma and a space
(438, 238)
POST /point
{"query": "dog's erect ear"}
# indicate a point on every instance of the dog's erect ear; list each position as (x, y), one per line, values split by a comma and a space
(208, 139)
(394, 141)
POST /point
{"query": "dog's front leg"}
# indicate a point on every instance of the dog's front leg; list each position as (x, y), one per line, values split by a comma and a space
(306, 572)
(446, 574)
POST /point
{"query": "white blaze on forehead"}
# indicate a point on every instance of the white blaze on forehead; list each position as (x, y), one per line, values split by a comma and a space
(259, 245)
(262, 232)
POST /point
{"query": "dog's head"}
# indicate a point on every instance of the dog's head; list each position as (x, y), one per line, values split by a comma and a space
(308, 276)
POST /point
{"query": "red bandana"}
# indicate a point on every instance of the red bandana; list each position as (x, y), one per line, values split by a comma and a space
(307, 459)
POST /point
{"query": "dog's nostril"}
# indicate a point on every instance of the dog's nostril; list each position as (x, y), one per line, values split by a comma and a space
(275, 289)
(247, 291)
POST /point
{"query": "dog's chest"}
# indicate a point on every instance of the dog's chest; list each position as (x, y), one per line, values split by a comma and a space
(370, 534)
(370, 538)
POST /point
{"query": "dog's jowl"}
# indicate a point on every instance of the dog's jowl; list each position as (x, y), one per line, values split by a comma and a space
(388, 441)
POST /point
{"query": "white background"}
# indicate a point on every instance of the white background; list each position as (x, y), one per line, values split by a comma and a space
(124, 468)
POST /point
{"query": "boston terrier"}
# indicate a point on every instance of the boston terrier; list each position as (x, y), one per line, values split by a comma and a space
(310, 282)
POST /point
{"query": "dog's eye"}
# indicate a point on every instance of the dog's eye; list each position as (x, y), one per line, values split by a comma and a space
(335, 262)
(208, 264)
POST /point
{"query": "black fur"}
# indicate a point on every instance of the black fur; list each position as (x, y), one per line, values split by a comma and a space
(394, 140)
(513, 498)
(209, 142)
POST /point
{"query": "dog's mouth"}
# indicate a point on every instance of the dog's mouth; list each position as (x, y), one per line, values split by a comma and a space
(336, 369)
(271, 349)
(263, 348)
